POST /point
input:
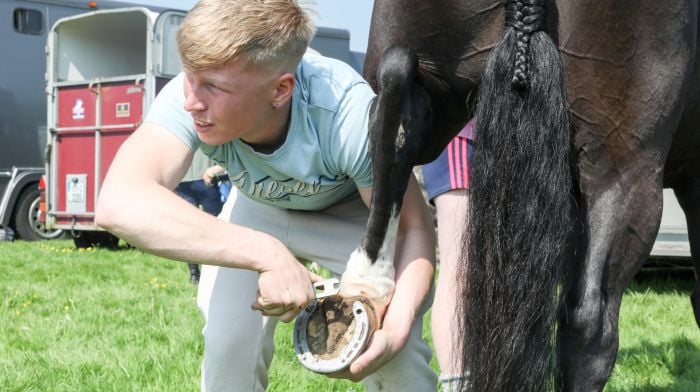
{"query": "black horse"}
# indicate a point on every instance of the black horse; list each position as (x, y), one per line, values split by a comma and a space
(585, 110)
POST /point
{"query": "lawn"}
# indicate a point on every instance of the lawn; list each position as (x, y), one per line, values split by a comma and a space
(99, 320)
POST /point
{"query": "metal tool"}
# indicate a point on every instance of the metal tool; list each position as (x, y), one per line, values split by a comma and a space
(327, 287)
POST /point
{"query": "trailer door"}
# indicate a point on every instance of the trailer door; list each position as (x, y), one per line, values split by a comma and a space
(166, 60)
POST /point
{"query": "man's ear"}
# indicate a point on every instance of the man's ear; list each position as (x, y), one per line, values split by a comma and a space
(284, 89)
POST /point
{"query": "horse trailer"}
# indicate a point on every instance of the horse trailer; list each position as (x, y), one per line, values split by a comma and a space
(104, 68)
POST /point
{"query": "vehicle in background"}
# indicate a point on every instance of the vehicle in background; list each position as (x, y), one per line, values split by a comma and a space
(23, 133)
(671, 246)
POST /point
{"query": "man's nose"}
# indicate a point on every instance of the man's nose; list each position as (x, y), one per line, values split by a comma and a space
(192, 102)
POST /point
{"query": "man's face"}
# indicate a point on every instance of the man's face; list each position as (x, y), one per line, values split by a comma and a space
(231, 102)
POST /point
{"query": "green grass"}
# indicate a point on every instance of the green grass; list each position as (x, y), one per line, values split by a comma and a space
(659, 339)
(123, 320)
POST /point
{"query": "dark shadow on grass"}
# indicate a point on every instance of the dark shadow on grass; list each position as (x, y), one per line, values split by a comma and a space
(680, 357)
(664, 280)
(124, 246)
(120, 247)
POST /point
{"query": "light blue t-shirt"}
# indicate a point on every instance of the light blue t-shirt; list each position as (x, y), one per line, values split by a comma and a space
(325, 157)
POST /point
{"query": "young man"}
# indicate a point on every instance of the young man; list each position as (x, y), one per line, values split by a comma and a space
(292, 134)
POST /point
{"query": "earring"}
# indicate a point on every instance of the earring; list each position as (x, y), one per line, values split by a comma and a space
(274, 106)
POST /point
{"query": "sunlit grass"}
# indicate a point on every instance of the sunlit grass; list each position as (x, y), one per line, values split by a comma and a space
(99, 320)
(660, 341)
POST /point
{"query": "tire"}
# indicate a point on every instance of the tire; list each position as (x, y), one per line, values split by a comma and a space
(100, 239)
(26, 218)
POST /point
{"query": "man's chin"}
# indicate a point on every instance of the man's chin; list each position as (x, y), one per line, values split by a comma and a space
(210, 140)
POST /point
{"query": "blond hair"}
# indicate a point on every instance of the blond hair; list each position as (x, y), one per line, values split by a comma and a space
(267, 33)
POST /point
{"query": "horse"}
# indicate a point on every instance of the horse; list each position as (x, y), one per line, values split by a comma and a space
(585, 110)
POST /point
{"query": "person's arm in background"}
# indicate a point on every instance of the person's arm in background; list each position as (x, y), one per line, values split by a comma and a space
(136, 204)
(415, 267)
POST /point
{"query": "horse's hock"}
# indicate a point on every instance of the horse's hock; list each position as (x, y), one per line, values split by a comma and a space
(331, 332)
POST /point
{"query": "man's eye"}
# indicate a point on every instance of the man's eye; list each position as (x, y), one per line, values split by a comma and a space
(214, 87)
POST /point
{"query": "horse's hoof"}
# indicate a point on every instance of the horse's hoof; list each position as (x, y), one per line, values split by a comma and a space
(332, 331)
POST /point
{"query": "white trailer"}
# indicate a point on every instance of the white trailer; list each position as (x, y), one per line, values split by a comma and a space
(104, 68)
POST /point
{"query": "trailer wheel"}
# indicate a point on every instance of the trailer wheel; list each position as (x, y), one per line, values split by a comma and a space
(100, 239)
(26, 218)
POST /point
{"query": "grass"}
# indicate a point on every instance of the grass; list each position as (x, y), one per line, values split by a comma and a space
(660, 341)
(98, 320)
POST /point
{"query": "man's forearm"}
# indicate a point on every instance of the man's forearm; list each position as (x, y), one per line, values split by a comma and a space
(415, 268)
(146, 219)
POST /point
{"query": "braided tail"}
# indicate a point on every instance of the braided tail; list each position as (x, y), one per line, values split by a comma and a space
(521, 210)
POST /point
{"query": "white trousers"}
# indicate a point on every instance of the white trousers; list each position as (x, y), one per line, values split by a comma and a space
(238, 342)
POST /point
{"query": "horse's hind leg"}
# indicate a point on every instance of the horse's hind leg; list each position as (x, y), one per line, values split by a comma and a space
(398, 126)
(621, 217)
(688, 194)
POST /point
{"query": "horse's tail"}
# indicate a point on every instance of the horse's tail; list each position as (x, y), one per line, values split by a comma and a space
(521, 210)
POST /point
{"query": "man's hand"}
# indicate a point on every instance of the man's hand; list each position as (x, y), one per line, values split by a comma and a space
(285, 287)
(211, 173)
